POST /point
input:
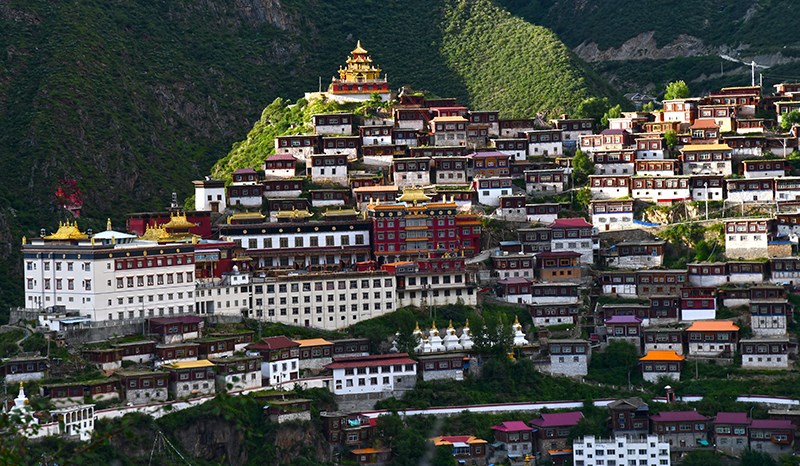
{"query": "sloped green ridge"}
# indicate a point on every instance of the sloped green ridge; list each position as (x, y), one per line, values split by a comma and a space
(502, 62)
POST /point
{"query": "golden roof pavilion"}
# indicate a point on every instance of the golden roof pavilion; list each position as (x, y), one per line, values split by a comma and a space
(359, 67)
(67, 231)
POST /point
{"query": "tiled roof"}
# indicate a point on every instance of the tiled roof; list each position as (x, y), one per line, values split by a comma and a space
(512, 426)
(570, 223)
(624, 320)
(514, 281)
(189, 364)
(370, 361)
(704, 147)
(674, 416)
(313, 342)
(713, 326)
(661, 355)
(772, 424)
(278, 157)
(451, 439)
(731, 418)
(176, 320)
(558, 419)
(272, 343)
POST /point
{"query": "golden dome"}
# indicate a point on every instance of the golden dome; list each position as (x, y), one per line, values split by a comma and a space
(67, 231)
(414, 194)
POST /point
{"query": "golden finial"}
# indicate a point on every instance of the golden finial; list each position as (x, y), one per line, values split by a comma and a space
(451, 325)
(433, 325)
(516, 320)
(108, 224)
(466, 324)
(24, 240)
(416, 328)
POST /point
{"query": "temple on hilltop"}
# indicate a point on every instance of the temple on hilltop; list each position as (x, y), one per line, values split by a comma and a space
(359, 80)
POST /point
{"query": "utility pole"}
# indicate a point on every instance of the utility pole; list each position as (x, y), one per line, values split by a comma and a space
(706, 186)
(752, 72)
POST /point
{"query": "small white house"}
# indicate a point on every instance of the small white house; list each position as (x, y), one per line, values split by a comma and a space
(490, 189)
(209, 195)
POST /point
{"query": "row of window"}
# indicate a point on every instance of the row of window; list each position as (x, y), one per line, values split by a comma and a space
(299, 241)
(151, 280)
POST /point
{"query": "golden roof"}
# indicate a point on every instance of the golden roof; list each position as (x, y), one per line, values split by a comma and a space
(246, 216)
(178, 222)
(67, 231)
(358, 49)
(294, 213)
(413, 195)
(190, 364)
(154, 233)
(340, 213)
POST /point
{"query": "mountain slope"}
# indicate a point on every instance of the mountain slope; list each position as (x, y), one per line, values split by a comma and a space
(484, 56)
(133, 99)
(634, 43)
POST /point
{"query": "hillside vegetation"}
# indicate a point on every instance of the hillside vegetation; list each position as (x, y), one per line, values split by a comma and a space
(535, 74)
(640, 46)
(134, 99)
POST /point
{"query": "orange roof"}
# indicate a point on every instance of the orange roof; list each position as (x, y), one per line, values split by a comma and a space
(713, 326)
(661, 355)
(367, 451)
(451, 439)
(313, 342)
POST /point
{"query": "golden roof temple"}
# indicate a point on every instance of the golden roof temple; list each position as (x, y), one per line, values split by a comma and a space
(359, 77)
(67, 231)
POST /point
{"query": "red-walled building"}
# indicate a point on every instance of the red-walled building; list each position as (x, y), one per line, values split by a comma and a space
(415, 227)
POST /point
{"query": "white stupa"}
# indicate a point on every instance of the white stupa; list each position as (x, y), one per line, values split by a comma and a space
(451, 340)
(394, 348)
(22, 408)
(417, 335)
(426, 346)
(437, 344)
(466, 337)
(519, 337)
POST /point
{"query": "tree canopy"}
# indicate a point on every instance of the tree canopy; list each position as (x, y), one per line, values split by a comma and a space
(676, 90)
(790, 119)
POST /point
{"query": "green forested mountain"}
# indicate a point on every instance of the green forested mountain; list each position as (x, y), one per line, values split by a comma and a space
(642, 44)
(133, 99)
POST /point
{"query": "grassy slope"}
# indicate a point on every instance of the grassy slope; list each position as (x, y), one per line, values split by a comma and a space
(481, 54)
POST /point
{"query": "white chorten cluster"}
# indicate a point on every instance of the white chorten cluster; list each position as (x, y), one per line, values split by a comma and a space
(432, 342)
(519, 337)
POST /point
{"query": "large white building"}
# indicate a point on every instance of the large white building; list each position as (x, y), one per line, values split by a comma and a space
(111, 276)
(376, 374)
(622, 450)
